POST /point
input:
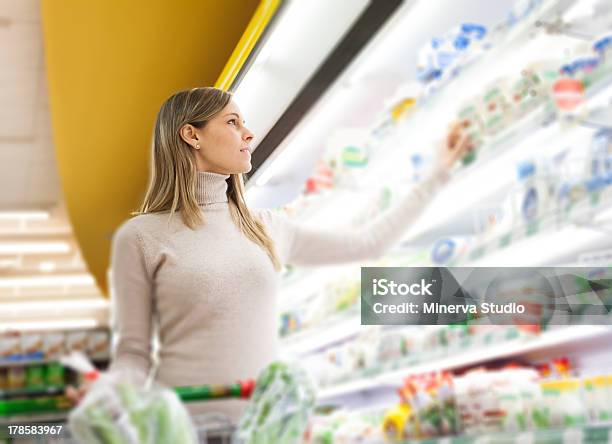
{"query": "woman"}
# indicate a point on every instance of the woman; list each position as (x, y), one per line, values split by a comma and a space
(201, 270)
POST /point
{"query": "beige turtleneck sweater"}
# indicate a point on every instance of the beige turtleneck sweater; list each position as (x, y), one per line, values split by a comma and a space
(210, 293)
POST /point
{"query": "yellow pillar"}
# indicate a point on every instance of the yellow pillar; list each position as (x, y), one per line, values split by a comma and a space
(110, 64)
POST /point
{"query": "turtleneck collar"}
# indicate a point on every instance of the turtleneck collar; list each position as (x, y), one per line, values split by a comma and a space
(211, 188)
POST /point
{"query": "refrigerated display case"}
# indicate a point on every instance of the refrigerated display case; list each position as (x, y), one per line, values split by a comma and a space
(532, 82)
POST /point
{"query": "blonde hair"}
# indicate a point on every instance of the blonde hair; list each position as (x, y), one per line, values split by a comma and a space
(173, 177)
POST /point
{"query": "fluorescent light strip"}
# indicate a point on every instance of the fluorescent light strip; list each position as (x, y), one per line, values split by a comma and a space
(24, 215)
(46, 281)
(302, 139)
(68, 324)
(581, 9)
(54, 306)
(34, 247)
(47, 266)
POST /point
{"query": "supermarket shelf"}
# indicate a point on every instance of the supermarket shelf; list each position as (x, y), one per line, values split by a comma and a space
(27, 362)
(51, 418)
(31, 392)
(324, 335)
(543, 238)
(462, 85)
(552, 342)
(491, 167)
(590, 434)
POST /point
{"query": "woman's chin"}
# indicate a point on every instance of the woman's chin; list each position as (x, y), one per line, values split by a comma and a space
(248, 167)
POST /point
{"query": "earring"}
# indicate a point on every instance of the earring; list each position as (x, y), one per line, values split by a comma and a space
(198, 146)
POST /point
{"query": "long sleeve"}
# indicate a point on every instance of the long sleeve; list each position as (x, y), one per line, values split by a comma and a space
(303, 245)
(132, 301)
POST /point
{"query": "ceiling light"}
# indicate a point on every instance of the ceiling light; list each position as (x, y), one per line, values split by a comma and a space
(54, 306)
(67, 324)
(34, 247)
(47, 281)
(24, 215)
(47, 267)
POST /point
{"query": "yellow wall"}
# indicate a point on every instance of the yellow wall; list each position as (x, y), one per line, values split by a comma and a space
(110, 64)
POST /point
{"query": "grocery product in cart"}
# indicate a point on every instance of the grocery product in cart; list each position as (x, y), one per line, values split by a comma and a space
(282, 403)
(118, 411)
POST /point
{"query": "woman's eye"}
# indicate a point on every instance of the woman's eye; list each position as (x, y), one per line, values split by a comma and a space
(232, 122)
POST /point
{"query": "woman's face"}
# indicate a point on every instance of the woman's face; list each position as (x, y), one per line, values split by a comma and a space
(224, 143)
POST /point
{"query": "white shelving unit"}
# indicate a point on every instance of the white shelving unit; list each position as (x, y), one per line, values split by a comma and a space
(560, 236)
(553, 343)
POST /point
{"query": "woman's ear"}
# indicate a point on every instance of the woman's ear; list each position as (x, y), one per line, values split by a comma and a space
(188, 134)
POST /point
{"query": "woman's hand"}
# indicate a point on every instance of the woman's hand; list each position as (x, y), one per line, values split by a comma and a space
(456, 146)
(76, 394)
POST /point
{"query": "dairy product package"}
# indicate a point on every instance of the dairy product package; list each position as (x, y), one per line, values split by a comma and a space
(54, 344)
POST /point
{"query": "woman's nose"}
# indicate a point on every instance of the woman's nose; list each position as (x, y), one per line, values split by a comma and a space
(248, 135)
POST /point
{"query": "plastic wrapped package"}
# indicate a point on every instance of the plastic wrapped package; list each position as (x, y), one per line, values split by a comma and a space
(562, 404)
(597, 394)
(280, 408)
(117, 410)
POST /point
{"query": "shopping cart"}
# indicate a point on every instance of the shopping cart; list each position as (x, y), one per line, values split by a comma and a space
(53, 411)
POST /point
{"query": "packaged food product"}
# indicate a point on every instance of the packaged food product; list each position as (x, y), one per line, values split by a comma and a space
(597, 395)
(603, 50)
(496, 109)
(391, 346)
(395, 421)
(54, 344)
(521, 9)
(35, 376)
(348, 152)
(562, 404)
(280, 407)
(10, 346)
(474, 127)
(533, 198)
(497, 401)
(54, 374)
(358, 429)
(16, 377)
(601, 155)
(443, 56)
(403, 109)
(98, 345)
(568, 95)
(321, 179)
(32, 346)
(77, 341)
(448, 251)
(531, 89)
(116, 410)
(431, 397)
